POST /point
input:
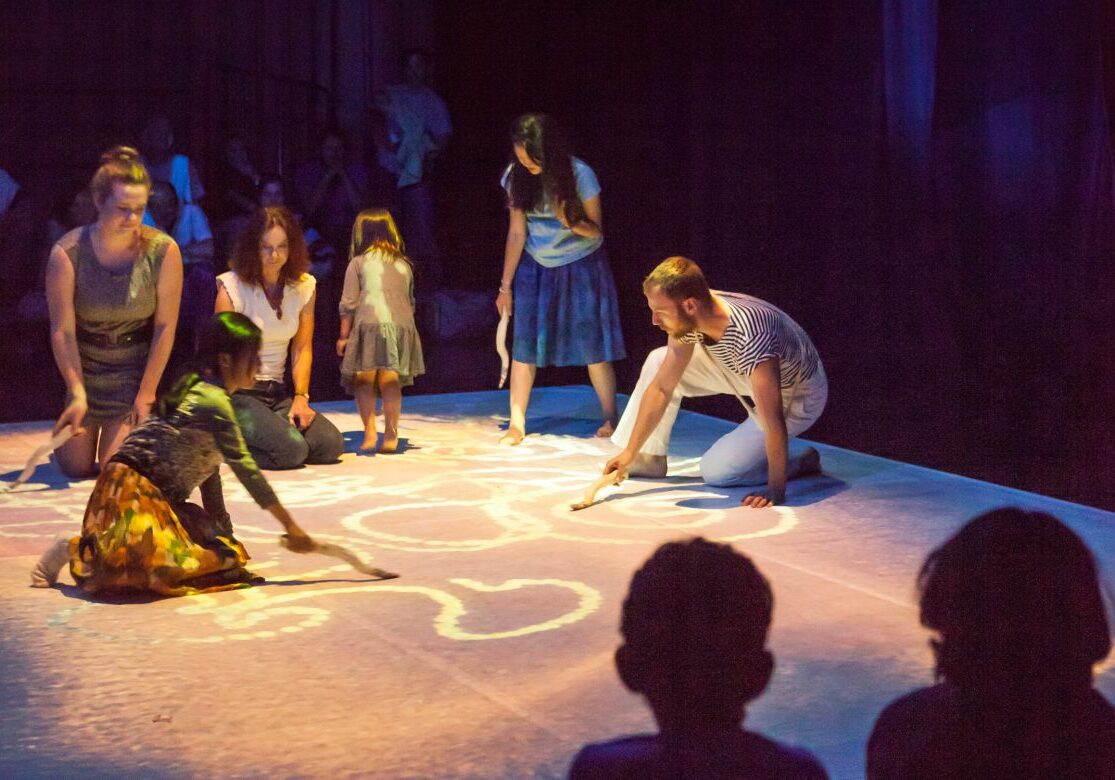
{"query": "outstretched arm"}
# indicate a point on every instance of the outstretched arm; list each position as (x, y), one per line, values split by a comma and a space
(766, 391)
(654, 402)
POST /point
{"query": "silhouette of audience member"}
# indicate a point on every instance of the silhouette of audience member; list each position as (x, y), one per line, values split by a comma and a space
(332, 191)
(694, 628)
(157, 147)
(418, 130)
(17, 228)
(187, 225)
(1015, 600)
(322, 256)
(237, 193)
(69, 212)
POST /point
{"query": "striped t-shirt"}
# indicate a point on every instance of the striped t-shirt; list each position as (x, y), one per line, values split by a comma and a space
(758, 331)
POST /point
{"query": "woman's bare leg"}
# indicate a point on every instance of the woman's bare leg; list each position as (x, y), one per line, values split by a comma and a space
(364, 388)
(112, 436)
(603, 378)
(522, 382)
(392, 395)
(78, 457)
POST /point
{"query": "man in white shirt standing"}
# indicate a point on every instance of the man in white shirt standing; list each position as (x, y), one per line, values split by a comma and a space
(724, 343)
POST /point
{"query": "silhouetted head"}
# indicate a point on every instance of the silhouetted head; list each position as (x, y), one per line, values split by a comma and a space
(375, 228)
(694, 628)
(417, 65)
(333, 148)
(163, 205)
(1015, 599)
(120, 189)
(271, 191)
(272, 243)
(157, 139)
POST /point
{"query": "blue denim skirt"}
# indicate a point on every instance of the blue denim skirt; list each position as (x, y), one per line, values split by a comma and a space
(566, 316)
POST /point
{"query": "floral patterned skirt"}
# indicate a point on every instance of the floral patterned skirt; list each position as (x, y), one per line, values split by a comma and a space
(132, 539)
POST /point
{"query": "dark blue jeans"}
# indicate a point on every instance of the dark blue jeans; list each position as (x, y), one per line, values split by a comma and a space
(272, 440)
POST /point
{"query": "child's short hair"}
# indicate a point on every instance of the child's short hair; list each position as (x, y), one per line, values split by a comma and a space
(376, 228)
(697, 605)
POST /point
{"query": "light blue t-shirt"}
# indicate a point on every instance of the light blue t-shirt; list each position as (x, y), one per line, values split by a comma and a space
(548, 241)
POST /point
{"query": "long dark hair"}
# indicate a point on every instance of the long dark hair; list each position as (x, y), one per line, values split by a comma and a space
(545, 143)
(228, 333)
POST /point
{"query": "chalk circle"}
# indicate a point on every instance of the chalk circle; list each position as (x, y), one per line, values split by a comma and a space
(517, 526)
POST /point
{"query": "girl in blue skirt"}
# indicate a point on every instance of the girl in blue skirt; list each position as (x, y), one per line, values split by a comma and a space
(556, 281)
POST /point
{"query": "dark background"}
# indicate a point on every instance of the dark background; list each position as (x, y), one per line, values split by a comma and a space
(925, 186)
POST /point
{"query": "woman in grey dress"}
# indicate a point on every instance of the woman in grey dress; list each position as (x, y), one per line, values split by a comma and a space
(113, 289)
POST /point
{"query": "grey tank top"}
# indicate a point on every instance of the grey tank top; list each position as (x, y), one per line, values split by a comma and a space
(115, 302)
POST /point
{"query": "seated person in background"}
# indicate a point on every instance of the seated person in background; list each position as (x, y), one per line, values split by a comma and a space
(1016, 603)
(157, 146)
(70, 212)
(268, 282)
(187, 225)
(322, 256)
(694, 629)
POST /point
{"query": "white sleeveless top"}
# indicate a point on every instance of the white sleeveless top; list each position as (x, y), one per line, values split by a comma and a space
(251, 301)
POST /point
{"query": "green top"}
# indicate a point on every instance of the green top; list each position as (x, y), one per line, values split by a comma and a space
(185, 449)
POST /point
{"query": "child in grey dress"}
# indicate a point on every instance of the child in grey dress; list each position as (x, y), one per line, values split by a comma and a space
(378, 339)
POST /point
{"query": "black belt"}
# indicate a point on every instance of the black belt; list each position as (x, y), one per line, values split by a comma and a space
(139, 336)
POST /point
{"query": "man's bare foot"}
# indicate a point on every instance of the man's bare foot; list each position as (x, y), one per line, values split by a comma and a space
(606, 429)
(810, 463)
(513, 437)
(369, 444)
(652, 466)
(390, 442)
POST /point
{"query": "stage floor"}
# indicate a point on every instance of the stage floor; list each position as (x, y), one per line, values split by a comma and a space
(492, 656)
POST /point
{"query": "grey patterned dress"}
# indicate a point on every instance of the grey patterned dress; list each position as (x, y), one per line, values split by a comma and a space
(107, 306)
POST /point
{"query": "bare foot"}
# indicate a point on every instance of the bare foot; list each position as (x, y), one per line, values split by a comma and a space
(369, 443)
(390, 442)
(810, 463)
(513, 437)
(606, 429)
(652, 466)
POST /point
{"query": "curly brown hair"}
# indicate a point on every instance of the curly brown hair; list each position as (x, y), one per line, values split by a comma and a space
(245, 260)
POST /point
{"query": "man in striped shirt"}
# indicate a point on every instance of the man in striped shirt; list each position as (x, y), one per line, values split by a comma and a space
(724, 343)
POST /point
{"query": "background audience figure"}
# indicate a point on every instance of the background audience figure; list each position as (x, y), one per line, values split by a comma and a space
(1015, 601)
(323, 257)
(113, 289)
(17, 228)
(331, 192)
(187, 225)
(70, 212)
(694, 628)
(418, 130)
(157, 146)
(237, 189)
(267, 281)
